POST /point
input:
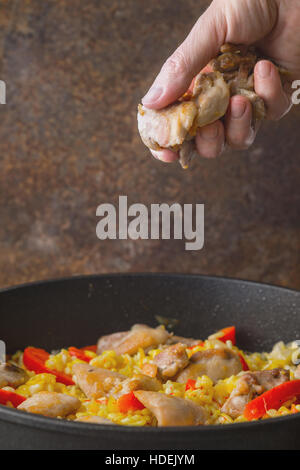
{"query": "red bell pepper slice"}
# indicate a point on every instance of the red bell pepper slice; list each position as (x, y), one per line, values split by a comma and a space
(79, 353)
(195, 345)
(14, 398)
(228, 334)
(190, 384)
(243, 361)
(92, 348)
(129, 402)
(272, 399)
(35, 358)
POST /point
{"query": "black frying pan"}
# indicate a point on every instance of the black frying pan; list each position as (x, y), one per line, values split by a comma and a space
(76, 311)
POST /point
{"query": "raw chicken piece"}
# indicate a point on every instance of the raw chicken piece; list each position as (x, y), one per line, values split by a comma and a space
(215, 363)
(172, 411)
(171, 360)
(140, 336)
(11, 375)
(251, 385)
(94, 381)
(94, 419)
(50, 404)
(175, 126)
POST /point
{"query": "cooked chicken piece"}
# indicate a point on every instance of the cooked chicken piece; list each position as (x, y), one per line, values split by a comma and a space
(140, 336)
(175, 126)
(11, 375)
(50, 404)
(211, 96)
(110, 342)
(181, 339)
(137, 382)
(215, 363)
(96, 382)
(172, 411)
(168, 127)
(236, 63)
(171, 360)
(149, 369)
(94, 419)
(297, 372)
(251, 385)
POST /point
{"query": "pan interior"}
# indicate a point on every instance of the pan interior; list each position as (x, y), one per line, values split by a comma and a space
(77, 311)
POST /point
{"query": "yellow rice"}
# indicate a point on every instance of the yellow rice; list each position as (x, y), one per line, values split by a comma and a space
(210, 396)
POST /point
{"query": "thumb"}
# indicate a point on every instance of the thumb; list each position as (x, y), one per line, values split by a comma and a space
(201, 45)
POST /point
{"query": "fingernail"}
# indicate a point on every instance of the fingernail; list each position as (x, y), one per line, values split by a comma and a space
(237, 109)
(153, 94)
(209, 132)
(264, 69)
(155, 155)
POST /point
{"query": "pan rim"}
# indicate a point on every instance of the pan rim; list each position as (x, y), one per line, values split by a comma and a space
(141, 274)
(71, 427)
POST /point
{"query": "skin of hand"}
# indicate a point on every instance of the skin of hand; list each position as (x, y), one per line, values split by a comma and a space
(273, 27)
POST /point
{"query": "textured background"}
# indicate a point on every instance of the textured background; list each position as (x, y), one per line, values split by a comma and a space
(75, 71)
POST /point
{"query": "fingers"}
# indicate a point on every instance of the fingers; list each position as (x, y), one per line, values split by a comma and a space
(190, 57)
(210, 140)
(166, 155)
(238, 130)
(209, 143)
(267, 84)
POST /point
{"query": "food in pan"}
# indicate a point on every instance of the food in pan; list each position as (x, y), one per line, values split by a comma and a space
(174, 127)
(149, 377)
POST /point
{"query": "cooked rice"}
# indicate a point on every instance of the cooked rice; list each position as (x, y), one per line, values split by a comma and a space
(211, 396)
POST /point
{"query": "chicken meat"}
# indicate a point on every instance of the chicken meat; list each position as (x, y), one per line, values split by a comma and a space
(207, 100)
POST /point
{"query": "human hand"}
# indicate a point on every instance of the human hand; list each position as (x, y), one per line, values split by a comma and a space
(273, 27)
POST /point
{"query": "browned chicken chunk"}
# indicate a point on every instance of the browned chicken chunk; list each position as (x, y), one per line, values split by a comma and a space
(175, 126)
(140, 336)
(11, 375)
(297, 372)
(110, 342)
(251, 385)
(171, 360)
(215, 363)
(50, 404)
(236, 63)
(137, 382)
(149, 369)
(172, 411)
(96, 382)
(181, 339)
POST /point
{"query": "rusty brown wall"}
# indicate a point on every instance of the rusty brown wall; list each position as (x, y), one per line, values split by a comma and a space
(75, 71)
